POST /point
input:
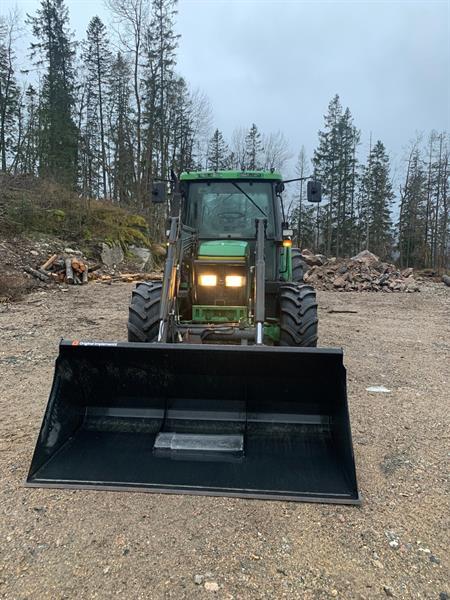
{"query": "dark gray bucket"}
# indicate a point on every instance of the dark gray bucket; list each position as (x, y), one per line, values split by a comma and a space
(250, 421)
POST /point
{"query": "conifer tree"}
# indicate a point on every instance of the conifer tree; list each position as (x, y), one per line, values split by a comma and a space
(27, 153)
(54, 51)
(120, 134)
(412, 218)
(375, 223)
(335, 165)
(162, 42)
(253, 149)
(9, 91)
(218, 152)
(97, 60)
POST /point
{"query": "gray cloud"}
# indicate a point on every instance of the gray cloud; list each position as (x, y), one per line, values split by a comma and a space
(279, 63)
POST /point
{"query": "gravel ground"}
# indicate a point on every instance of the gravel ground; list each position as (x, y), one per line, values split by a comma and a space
(87, 544)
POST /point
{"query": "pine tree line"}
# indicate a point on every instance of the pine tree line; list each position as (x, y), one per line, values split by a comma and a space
(107, 122)
(249, 151)
(108, 117)
(359, 210)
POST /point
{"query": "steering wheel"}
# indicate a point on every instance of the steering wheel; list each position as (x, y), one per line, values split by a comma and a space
(231, 214)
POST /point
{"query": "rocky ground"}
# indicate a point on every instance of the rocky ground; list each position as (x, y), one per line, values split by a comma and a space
(83, 544)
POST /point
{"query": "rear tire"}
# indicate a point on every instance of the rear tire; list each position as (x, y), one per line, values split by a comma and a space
(298, 315)
(299, 267)
(143, 316)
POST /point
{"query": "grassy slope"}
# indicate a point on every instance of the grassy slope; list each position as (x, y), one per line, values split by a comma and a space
(31, 206)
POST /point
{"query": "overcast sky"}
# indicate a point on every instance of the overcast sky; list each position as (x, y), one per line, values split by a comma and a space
(278, 63)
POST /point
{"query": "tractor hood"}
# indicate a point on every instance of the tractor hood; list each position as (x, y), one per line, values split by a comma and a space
(224, 248)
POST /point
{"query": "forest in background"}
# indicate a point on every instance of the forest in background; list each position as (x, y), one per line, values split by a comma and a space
(107, 115)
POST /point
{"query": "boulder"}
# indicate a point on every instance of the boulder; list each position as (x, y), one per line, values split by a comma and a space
(367, 258)
(111, 255)
(313, 260)
(144, 258)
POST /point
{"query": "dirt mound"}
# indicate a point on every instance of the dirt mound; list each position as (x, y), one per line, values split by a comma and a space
(365, 272)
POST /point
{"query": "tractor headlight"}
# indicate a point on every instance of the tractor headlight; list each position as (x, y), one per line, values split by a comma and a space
(234, 280)
(207, 280)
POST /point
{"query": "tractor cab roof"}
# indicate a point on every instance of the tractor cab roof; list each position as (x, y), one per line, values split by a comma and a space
(234, 175)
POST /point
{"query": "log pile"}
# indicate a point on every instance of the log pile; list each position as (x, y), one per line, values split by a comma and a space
(362, 273)
(61, 269)
(74, 270)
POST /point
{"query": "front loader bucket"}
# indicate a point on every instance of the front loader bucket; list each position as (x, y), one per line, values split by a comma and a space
(251, 421)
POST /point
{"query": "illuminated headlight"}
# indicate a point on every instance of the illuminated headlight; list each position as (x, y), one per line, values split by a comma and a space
(207, 280)
(234, 280)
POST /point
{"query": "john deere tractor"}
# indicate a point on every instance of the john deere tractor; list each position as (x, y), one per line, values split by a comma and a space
(220, 389)
(231, 272)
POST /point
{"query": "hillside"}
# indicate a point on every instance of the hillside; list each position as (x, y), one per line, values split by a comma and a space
(39, 218)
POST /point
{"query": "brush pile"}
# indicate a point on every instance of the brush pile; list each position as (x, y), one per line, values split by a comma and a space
(362, 273)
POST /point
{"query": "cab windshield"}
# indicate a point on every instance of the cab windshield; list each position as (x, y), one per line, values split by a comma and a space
(229, 209)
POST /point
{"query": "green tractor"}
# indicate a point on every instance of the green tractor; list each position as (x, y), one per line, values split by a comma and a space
(231, 274)
(220, 388)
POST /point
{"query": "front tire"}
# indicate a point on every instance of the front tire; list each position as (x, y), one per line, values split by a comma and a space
(298, 315)
(143, 316)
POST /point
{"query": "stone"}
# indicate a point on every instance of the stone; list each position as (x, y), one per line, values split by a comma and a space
(339, 282)
(198, 579)
(211, 586)
(388, 591)
(144, 256)
(378, 564)
(367, 258)
(434, 559)
(111, 255)
(312, 260)
(34, 252)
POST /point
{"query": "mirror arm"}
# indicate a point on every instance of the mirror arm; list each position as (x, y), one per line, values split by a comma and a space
(299, 179)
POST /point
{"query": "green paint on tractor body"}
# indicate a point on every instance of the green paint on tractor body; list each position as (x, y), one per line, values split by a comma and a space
(223, 249)
(236, 175)
(272, 331)
(219, 314)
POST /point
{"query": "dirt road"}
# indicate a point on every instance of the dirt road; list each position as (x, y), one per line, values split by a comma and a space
(79, 544)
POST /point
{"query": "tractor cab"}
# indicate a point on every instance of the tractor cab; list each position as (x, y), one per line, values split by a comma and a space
(228, 208)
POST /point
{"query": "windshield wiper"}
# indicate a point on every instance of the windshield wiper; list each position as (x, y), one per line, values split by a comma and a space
(249, 197)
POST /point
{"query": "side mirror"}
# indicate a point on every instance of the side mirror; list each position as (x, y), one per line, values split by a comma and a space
(314, 191)
(159, 192)
(279, 188)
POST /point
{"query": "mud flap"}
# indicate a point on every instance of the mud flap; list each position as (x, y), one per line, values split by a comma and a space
(249, 421)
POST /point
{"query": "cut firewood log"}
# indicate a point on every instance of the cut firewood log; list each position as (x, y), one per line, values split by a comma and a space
(78, 265)
(446, 279)
(48, 263)
(84, 276)
(37, 274)
(69, 270)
